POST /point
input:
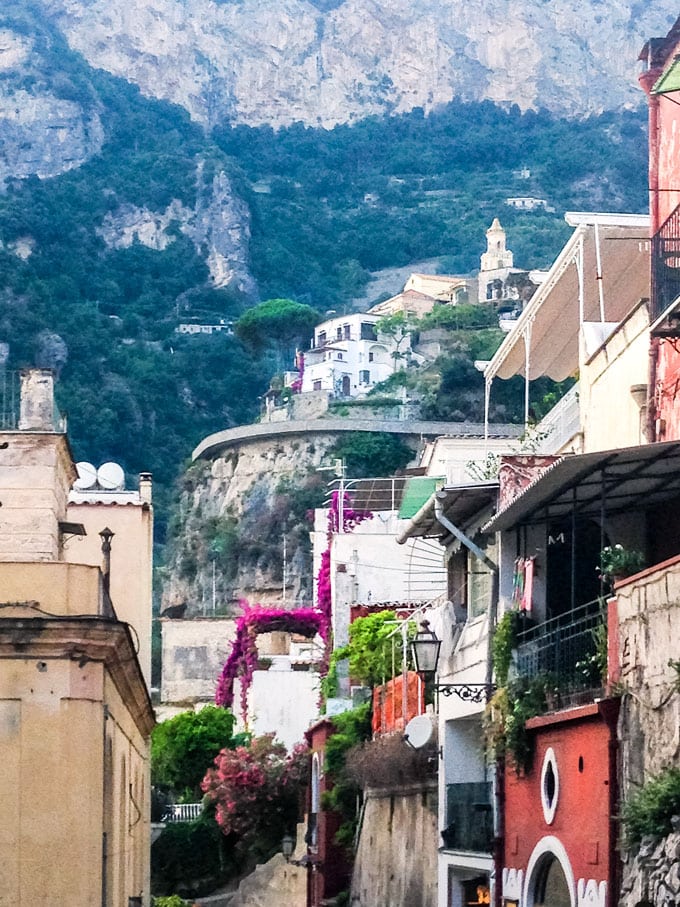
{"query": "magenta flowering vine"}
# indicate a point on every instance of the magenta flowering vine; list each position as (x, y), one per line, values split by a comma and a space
(242, 661)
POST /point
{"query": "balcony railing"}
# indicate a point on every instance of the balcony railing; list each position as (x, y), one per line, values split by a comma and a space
(182, 812)
(666, 273)
(559, 426)
(565, 648)
(469, 817)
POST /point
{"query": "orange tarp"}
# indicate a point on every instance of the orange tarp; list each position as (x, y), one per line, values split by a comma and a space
(392, 700)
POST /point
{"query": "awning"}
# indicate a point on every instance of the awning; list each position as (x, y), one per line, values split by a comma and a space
(553, 315)
(417, 491)
(625, 478)
(460, 503)
(669, 80)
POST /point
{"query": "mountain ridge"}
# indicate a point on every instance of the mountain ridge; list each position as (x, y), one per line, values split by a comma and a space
(276, 62)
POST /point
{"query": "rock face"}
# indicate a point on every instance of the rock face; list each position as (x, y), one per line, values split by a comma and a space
(234, 512)
(42, 134)
(322, 63)
(652, 876)
(219, 227)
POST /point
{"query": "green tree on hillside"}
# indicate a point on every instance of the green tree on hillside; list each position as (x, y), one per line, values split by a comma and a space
(277, 323)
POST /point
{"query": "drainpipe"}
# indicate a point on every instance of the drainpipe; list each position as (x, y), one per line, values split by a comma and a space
(651, 390)
(491, 620)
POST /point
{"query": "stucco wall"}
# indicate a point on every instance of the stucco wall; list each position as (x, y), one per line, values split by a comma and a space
(131, 561)
(193, 655)
(396, 861)
(612, 416)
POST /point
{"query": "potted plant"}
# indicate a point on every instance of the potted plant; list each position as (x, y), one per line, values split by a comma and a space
(617, 562)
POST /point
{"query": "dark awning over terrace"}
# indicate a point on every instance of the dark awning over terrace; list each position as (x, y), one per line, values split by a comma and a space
(611, 481)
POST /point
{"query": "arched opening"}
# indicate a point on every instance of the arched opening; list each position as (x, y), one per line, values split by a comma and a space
(551, 886)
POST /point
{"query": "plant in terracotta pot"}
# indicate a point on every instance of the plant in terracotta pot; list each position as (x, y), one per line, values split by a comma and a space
(617, 562)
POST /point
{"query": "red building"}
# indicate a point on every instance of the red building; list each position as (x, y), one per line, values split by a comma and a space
(559, 832)
(661, 82)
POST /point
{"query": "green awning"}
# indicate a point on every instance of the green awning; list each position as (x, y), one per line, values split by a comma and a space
(670, 80)
(417, 491)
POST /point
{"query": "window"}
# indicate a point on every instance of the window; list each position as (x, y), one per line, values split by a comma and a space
(317, 385)
(370, 357)
(364, 377)
(339, 355)
(347, 332)
(368, 331)
(321, 338)
(480, 577)
(339, 333)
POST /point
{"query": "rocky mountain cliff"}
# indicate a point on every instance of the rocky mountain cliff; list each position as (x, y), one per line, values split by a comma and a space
(323, 62)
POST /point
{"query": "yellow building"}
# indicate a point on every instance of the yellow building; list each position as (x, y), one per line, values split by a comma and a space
(75, 714)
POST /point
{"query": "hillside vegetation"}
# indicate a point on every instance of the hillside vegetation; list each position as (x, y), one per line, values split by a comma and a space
(326, 208)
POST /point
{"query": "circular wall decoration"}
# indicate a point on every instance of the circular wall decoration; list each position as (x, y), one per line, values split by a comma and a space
(550, 785)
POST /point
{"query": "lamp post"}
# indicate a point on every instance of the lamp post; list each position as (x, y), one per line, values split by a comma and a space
(425, 647)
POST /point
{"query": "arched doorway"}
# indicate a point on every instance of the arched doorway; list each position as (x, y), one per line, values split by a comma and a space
(549, 881)
(551, 888)
(345, 386)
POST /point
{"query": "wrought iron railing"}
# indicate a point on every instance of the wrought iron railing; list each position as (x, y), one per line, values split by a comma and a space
(469, 817)
(666, 269)
(567, 647)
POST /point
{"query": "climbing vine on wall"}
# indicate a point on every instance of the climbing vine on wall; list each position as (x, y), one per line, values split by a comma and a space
(243, 658)
(242, 661)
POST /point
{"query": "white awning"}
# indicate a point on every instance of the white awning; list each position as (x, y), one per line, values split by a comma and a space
(612, 249)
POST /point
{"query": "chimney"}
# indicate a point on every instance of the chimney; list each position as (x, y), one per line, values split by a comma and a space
(145, 485)
(36, 411)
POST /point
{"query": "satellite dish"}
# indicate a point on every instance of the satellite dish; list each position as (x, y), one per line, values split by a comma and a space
(110, 476)
(87, 476)
(419, 731)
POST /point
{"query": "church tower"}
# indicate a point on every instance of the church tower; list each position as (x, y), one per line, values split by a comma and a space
(496, 256)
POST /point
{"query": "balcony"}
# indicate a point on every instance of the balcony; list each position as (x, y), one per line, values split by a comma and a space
(568, 649)
(561, 424)
(469, 817)
(664, 314)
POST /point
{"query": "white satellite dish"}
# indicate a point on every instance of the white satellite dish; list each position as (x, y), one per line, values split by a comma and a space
(419, 731)
(87, 476)
(110, 476)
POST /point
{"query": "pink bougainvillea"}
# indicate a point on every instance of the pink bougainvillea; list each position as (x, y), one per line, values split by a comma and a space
(243, 658)
(256, 789)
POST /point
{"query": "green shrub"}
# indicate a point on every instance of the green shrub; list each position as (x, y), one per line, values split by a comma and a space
(173, 901)
(650, 809)
(191, 858)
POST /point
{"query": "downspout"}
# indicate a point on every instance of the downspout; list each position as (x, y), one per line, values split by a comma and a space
(647, 81)
(651, 390)
(491, 619)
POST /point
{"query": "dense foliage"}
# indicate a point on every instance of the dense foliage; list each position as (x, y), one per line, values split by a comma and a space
(183, 747)
(370, 648)
(649, 810)
(352, 728)
(191, 858)
(256, 790)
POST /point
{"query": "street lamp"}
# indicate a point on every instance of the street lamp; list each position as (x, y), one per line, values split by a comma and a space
(425, 647)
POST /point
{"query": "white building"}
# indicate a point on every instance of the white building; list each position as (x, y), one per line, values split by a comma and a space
(348, 357)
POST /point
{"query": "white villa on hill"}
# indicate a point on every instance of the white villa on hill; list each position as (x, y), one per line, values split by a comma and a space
(348, 356)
